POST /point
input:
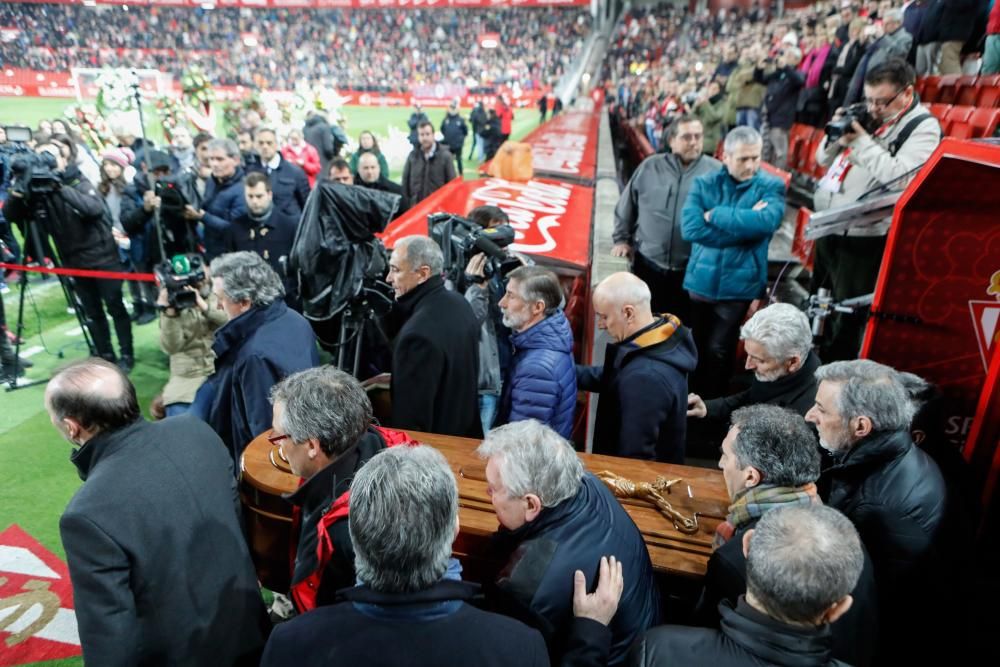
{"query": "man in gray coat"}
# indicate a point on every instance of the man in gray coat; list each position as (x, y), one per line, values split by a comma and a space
(160, 570)
(648, 215)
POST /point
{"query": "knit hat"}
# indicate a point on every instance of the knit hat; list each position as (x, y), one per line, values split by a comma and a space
(123, 157)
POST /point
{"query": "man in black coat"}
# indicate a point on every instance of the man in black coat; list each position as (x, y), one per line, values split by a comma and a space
(73, 217)
(289, 183)
(454, 130)
(783, 81)
(317, 134)
(266, 230)
(478, 120)
(160, 570)
(411, 606)
(802, 563)
(557, 519)
(435, 360)
(262, 342)
(427, 168)
(370, 176)
(897, 498)
(642, 412)
(770, 459)
(413, 122)
(958, 22)
(322, 423)
(778, 343)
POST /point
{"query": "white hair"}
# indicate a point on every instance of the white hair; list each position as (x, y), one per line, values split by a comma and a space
(533, 458)
(782, 329)
(741, 135)
(422, 251)
(627, 290)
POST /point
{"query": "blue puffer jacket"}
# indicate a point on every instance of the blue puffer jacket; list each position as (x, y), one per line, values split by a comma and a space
(729, 253)
(541, 383)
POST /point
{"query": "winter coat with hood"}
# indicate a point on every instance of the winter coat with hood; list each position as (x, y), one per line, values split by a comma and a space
(542, 380)
(642, 412)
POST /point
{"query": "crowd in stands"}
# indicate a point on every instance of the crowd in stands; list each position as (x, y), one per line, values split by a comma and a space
(745, 67)
(390, 49)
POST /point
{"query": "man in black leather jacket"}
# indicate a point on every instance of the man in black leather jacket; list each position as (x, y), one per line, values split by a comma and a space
(895, 495)
(802, 563)
(73, 216)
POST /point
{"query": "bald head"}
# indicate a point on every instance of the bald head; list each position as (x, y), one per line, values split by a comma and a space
(621, 305)
(88, 397)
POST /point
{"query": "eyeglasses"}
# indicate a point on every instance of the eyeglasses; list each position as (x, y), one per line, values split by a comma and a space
(881, 104)
(276, 439)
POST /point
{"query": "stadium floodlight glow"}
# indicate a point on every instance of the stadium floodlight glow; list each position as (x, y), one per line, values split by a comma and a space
(250, 40)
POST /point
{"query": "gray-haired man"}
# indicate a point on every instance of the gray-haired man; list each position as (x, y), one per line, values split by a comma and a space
(223, 201)
(802, 563)
(435, 360)
(322, 423)
(411, 606)
(892, 491)
(262, 342)
(778, 343)
(729, 218)
(555, 518)
(770, 460)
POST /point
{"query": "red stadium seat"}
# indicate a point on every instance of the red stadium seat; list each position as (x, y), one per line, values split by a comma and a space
(956, 122)
(817, 169)
(798, 138)
(984, 122)
(989, 97)
(989, 81)
(939, 111)
(931, 89)
(948, 89)
(919, 86)
(968, 90)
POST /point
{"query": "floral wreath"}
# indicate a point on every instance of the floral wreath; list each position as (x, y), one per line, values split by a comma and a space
(196, 90)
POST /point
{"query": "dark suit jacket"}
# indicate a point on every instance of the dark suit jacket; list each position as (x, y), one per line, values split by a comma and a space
(290, 186)
(435, 364)
(161, 573)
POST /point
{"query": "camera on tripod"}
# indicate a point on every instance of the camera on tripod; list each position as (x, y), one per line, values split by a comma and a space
(34, 173)
(171, 193)
(460, 239)
(837, 128)
(181, 272)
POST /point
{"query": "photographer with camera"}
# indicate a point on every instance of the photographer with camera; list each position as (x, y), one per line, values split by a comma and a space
(879, 143)
(48, 192)
(190, 316)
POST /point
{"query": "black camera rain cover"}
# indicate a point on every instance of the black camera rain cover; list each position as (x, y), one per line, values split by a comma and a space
(335, 244)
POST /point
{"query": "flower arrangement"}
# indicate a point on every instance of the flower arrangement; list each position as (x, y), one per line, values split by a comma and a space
(114, 92)
(170, 112)
(93, 127)
(196, 90)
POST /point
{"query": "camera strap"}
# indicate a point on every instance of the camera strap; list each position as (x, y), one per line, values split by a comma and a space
(905, 133)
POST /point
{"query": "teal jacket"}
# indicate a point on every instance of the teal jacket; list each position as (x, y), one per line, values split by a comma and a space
(729, 253)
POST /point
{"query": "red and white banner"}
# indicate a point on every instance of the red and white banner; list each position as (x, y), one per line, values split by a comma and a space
(550, 218)
(332, 4)
(566, 146)
(37, 621)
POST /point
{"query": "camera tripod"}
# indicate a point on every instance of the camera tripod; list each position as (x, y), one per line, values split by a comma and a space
(71, 298)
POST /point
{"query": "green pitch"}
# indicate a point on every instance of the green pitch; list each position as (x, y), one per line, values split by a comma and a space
(36, 476)
(29, 111)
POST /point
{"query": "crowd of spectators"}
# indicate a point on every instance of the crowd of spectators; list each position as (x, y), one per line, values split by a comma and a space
(276, 48)
(665, 61)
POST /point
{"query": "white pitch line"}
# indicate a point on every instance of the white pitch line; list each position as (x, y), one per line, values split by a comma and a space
(76, 331)
(32, 351)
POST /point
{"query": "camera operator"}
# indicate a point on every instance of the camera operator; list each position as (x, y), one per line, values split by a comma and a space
(186, 334)
(179, 234)
(783, 81)
(882, 144)
(484, 295)
(71, 211)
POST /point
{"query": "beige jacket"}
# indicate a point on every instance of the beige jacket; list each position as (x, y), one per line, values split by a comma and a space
(187, 338)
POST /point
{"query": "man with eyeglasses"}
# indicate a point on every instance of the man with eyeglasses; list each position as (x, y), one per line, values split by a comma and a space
(887, 151)
(648, 215)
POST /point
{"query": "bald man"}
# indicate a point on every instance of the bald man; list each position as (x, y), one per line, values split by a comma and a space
(642, 412)
(161, 573)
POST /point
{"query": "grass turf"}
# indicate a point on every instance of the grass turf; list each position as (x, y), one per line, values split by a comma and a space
(36, 476)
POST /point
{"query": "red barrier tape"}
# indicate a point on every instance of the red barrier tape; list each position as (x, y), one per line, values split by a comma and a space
(83, 273)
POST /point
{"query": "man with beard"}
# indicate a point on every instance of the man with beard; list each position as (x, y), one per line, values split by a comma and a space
(778, 343)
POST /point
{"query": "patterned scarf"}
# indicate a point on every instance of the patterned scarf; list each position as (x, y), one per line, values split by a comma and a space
(752, 503)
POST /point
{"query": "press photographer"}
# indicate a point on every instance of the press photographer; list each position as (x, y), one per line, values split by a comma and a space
(190, 316)
(165, 193)
(869, 148)
(47, 192)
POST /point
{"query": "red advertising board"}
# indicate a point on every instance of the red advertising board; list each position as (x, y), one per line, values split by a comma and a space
(937, 302)
(550, 218)
(566, 146)
(336, 4)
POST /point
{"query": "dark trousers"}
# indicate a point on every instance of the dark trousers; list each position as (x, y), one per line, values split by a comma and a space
(848, 266)
(457, 153)
(665, 286)
(94, 292)
(715, 326)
